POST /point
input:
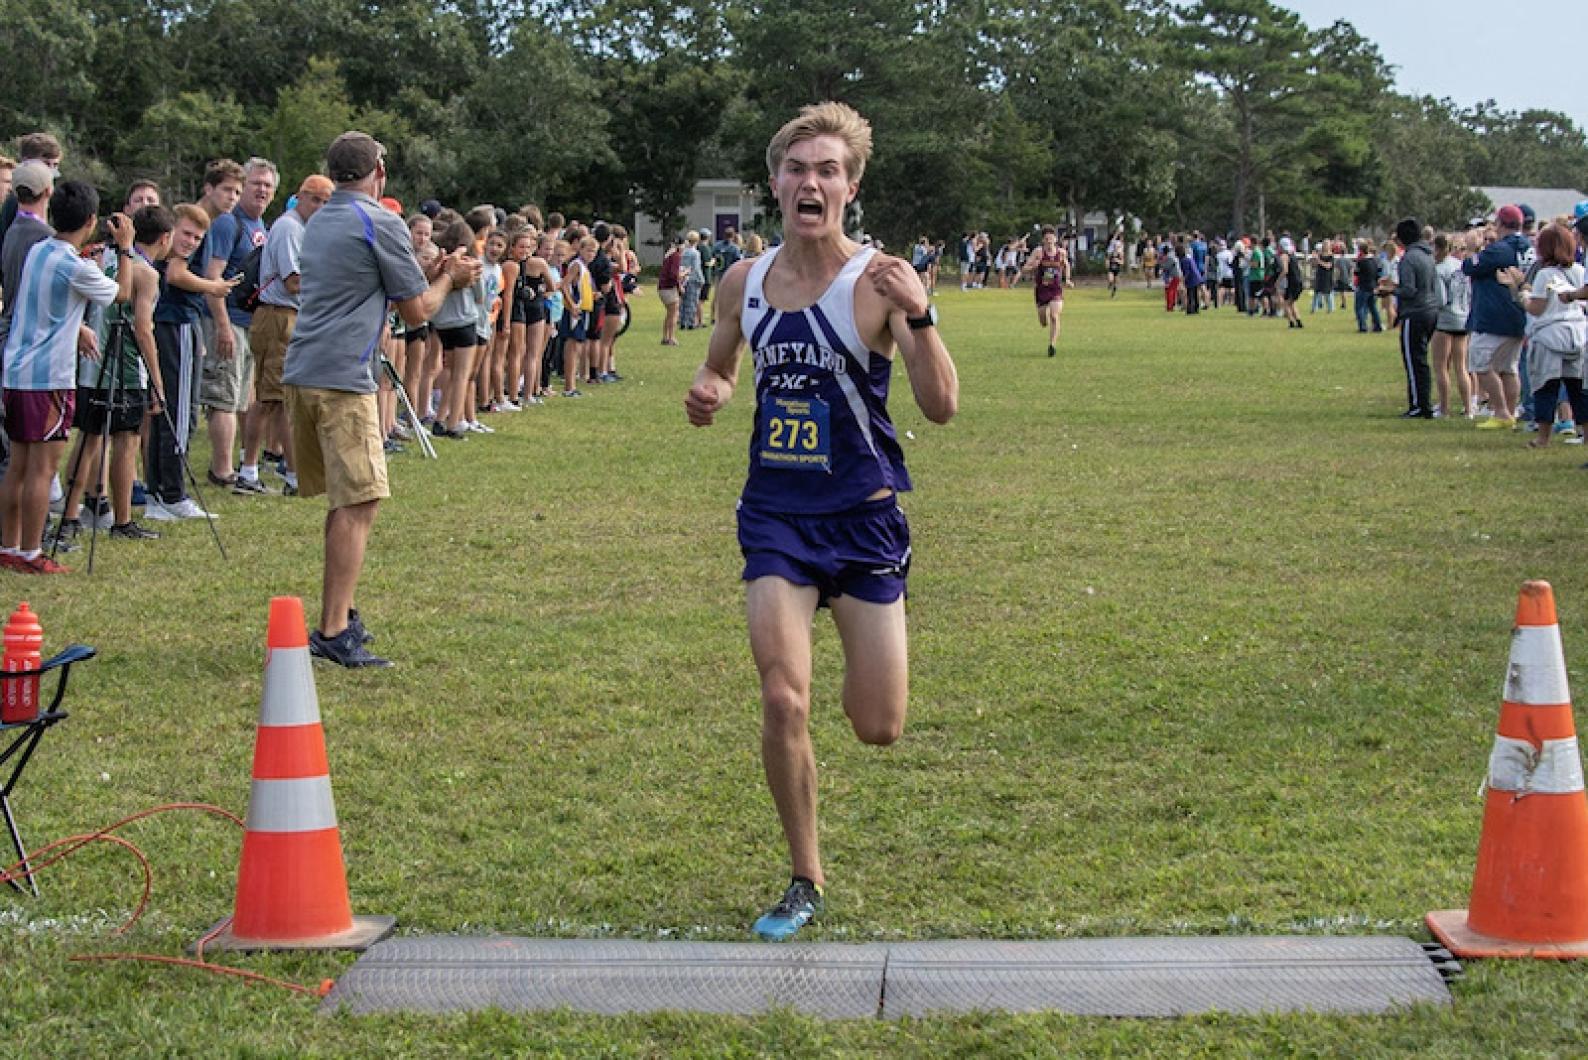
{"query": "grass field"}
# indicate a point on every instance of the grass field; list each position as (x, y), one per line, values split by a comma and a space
(1205, 640)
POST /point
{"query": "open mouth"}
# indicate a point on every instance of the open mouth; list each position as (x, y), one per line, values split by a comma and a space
(808, 208)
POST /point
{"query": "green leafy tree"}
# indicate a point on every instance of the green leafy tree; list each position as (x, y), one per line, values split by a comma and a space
(530, 118)
(47, 81)
(1298, 102)
(911, 68)
(180, 134)
(1089, 75)
(1429, 160)
(1536, 148)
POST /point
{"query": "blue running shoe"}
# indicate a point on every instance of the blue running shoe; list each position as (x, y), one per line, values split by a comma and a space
(800, 904)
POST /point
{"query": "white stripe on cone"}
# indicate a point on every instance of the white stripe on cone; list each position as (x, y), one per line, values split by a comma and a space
(1555, 768)
(289, 697)
(303, 804)
(1537, 674)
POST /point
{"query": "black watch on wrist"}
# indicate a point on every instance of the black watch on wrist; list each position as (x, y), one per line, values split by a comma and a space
(922, 322)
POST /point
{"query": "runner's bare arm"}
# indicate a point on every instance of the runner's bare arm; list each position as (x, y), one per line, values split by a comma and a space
(716, 378)
(933, 379)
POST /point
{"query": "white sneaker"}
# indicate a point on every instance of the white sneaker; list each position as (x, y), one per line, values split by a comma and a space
(187, 509)
(477, 427)
(154, 509)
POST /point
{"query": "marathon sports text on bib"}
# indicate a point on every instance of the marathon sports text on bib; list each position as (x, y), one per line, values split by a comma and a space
(796, 434)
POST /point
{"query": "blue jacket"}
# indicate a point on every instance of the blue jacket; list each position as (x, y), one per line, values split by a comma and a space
(1494, 311)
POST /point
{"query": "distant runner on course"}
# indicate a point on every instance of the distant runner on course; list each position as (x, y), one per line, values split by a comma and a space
(1051, 264)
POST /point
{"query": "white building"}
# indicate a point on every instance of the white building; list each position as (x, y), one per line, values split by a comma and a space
(1547, 203)
(718, 205)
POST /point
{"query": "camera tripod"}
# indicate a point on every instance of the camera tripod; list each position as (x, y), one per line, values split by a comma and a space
(110, 388)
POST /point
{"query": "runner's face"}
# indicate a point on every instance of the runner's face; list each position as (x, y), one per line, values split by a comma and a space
(812, 187)
(258, 190)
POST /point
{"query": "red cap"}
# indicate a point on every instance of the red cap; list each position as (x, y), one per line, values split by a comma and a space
(1509, 216)
(392, 204)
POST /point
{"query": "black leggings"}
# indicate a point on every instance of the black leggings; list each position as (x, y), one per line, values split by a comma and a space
(1547, 395)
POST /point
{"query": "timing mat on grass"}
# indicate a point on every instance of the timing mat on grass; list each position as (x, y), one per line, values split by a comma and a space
(1089, 977)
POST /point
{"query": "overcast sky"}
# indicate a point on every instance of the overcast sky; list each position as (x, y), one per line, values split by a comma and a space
(1464, 49)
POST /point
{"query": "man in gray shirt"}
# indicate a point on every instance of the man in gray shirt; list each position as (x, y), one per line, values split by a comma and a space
(356, 259)
(273, 322)
(1418, 297)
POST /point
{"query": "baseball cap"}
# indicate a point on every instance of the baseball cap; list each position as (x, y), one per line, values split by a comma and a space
(353, 156)
(394, 205)
(1509, 216)
(316, 184)
(430, 208)
(33, 177)
(1528, 216)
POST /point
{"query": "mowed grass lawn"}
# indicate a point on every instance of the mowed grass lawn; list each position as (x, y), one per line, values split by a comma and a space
(1205, 640)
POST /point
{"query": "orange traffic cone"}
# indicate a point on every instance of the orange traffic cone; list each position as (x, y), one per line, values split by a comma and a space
(1530, 890)
(291, 883)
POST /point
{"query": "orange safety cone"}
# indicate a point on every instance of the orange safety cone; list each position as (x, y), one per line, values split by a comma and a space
(291, 883)
(1530, 890)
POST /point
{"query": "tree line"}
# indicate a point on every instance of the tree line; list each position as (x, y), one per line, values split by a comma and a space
(988, 114)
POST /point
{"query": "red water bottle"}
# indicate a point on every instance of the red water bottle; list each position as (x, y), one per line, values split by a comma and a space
(24, 641)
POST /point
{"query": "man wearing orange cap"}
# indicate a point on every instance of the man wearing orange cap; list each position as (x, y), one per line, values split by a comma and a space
(272, 329)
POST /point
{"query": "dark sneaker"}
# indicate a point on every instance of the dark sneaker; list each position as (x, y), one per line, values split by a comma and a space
(354, 622)
(392, 446)
(133, 532)
(800, 904)
(140, 496)
(64, 537)
(289, 489)
(248, 487)
(216, 480)
(344, 649)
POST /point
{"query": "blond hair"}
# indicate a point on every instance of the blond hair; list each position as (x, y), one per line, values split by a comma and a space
(825, 119)
(187, 211)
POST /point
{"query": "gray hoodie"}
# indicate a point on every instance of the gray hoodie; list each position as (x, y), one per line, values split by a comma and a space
(1419, 292)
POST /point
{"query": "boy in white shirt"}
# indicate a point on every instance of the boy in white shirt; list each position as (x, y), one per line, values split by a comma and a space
(40, 365)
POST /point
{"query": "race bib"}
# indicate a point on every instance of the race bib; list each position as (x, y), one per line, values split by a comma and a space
(794, 434)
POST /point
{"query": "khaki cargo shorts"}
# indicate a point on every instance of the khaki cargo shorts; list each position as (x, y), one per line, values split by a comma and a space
(336, 445)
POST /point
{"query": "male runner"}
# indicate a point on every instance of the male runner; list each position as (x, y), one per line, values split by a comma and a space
(819, 522)
(1051, 264)
(1116, 262)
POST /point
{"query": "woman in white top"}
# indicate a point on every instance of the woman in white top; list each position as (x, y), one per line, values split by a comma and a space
(1449, 345)
(1557, 328)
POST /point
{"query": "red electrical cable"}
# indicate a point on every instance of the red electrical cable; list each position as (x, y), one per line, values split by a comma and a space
(32, 865)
